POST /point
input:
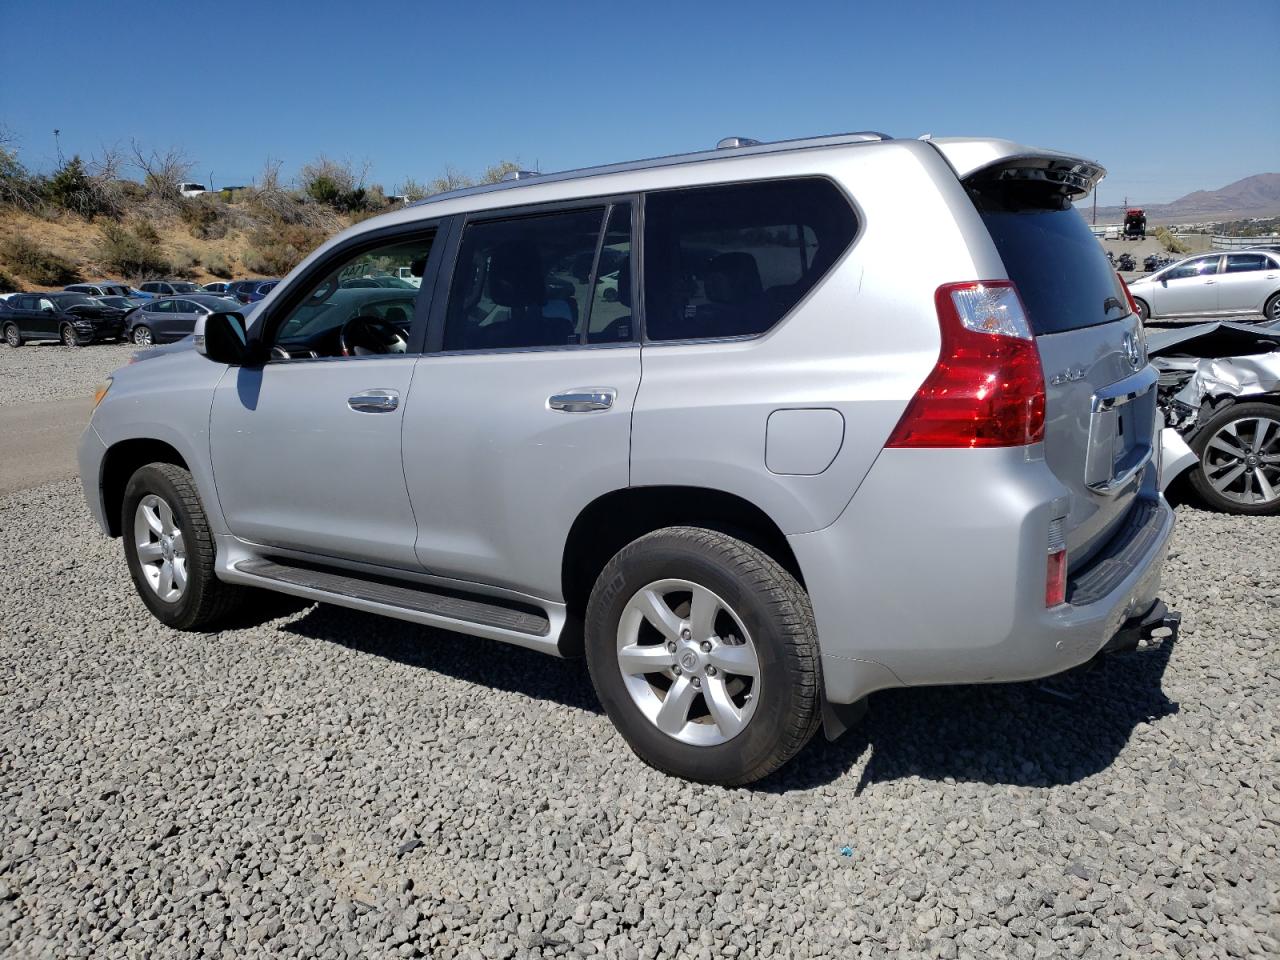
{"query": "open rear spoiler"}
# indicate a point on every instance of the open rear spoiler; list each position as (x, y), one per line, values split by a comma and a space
(975, 158)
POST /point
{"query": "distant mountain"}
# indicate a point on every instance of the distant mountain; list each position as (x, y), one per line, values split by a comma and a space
(1256, 196)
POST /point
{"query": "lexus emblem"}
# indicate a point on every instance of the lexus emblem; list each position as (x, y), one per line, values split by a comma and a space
(1133, 350)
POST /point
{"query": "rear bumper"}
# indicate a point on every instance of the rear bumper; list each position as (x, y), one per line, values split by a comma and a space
(935, 574)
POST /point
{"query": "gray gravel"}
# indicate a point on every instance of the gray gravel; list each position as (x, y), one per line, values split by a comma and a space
(48, 371)
(329, 784)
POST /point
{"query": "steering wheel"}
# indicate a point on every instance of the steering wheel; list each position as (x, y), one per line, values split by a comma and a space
(368, 334)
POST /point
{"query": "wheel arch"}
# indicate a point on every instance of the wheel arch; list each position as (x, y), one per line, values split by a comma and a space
(613, 520)
(120, 462)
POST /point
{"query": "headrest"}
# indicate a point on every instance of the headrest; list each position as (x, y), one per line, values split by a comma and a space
(515, 275)
(732, 278)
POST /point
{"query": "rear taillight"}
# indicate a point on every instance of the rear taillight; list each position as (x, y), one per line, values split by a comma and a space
(1133, 304)
(987, 388)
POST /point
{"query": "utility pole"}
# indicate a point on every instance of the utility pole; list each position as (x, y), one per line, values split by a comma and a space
(57, 144)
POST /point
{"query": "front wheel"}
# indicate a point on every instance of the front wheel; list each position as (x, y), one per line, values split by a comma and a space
(1144, 311)
(142, 335)
(704, 653)
(170, 550)
(1239, 451)
(69, 336)
(1272, 310)
(12, 336)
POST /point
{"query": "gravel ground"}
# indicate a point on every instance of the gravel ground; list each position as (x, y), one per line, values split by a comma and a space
(47, 371)
(329, 784)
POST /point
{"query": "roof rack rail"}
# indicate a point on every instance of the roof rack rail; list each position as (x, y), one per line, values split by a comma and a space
(743, 146)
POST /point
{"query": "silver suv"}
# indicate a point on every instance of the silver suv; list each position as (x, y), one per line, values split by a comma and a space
(713, 417)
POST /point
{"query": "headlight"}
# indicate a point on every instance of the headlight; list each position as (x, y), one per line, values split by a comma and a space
(99, 393)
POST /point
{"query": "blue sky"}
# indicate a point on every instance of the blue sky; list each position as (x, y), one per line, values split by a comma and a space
(415, 87)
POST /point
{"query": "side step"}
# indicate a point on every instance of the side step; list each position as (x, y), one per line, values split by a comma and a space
(420, 603)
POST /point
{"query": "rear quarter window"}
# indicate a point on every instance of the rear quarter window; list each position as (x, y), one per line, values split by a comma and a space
(1049, 252)
(733, 260)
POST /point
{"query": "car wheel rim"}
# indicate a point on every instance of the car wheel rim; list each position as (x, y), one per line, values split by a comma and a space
(142, 336)
(688, 662)
(68, 337)
(1242, 461)
(11, 336)
(162, 551)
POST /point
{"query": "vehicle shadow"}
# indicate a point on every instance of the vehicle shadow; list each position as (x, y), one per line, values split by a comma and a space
(1041, 734)
(484, 662)
(1045, 733)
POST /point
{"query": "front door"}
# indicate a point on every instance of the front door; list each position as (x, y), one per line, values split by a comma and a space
(1189, 289)
(520, 414)
(306, 449)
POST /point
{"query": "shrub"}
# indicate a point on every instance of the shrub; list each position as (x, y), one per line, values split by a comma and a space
(72, 189)
(203, 218)
(276, 248)
(131, 254)
(36, 263)
(145, 231)
(184, 261)
(216, 263)
(335, 185)
(1171, 243)
(7, 283)
(18, 188)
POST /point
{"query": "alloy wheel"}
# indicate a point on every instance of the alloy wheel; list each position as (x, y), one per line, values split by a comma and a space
(69, 336)
(11, 336)
(1242, 460)
(688, 662)
(142, 336)
(162, 552)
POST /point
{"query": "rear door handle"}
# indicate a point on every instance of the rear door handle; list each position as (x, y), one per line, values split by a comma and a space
(583, 399)
(374, 401)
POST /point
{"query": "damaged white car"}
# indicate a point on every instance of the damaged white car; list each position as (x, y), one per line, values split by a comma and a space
(1219, 392)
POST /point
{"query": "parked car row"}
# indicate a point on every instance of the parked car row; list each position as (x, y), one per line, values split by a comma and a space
(1239, 283)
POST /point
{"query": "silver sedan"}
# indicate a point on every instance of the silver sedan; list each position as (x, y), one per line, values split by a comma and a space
(1245, 283)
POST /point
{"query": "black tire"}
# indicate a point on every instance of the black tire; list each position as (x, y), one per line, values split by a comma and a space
(1272, 310)
(1144, 311)
(1234, 413)
(206, 600)
(12, 336)
(67, 334)
(774, 610)
(142, 336)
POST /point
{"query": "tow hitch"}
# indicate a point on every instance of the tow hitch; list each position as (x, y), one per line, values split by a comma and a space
(1147, 632)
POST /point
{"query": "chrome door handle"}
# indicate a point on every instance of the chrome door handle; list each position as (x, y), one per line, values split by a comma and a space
(374, 401)
(583, 399)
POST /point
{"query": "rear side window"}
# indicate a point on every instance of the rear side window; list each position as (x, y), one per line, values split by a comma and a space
(1248, 262)
(1058, 265)
(731, 261)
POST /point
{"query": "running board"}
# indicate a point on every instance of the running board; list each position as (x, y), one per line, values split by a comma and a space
(473, 614)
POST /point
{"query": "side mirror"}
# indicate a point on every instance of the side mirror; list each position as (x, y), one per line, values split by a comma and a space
(610, 295)
(48, 310)
(222, 338)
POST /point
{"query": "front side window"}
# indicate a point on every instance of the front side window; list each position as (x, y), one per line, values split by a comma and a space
(343, 317)
(1247, 262)
(731, 261)
(1193, 268)
(524, 282)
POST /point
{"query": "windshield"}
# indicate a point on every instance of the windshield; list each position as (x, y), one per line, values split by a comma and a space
(1050, 253)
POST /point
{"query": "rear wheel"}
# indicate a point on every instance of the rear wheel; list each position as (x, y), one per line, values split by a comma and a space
(704, 653)
(1239, 451)
(170, 550)
(1272, 309)
(69, 336)
(142, 335)
(11, 335)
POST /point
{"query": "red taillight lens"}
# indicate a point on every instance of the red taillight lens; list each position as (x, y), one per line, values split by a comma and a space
(1055, 580)
(987, 388)
(1133, 305)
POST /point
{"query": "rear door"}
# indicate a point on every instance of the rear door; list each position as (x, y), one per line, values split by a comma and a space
(520, 414)
(1100, 400)
(1246, 283)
